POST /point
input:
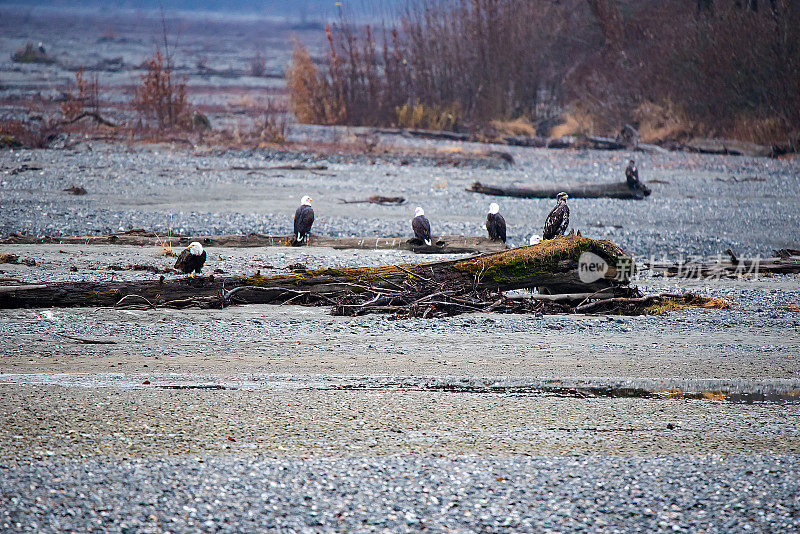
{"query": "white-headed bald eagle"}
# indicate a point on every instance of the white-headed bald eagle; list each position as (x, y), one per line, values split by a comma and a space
(191, 259)
(303, 220)
(558, 220)
(421, 226)
(495, 223)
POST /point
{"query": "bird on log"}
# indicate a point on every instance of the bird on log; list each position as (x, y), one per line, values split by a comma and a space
(495, 223)
(421, 226)
(191, 259)
(303, 220)
(632, 176)
(558, 220)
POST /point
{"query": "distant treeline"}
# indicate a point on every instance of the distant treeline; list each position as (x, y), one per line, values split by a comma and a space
(673, 68)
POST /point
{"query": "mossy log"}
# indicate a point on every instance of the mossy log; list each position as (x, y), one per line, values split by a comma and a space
(612, 190)
(551, 264)
(447, 244)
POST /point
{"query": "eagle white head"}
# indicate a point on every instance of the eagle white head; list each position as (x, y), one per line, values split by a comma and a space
(494, 208)
(195, 248)
(562, 197)
(535, 239)
(306, 201)
(419, 211)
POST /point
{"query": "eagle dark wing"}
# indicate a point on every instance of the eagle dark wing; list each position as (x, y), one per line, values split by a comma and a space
(188, 262)
(422, 227)
(496, 226)
(303, 220)
(181, 264)
(632, 176)
(557, 222)
(199, 261)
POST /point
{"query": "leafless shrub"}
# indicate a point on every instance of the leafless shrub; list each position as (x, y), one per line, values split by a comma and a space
(730, 70)
(87, 97)
(272, 123)
(40, 131)
(160, 97)
(257, 66)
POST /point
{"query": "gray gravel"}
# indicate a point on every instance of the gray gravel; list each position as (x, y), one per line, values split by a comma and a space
(405, 494)
(710, 203)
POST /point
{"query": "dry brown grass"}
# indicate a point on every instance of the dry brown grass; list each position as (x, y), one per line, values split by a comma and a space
(772, 131)
(690, 301)
(429, 117)
(518, 126)
(577, 121)
(663, 122)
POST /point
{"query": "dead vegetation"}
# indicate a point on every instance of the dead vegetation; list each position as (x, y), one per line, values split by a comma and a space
(670, 69)
(160, 99)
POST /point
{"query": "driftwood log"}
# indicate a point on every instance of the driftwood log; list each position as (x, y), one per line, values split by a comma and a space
(425, 289)
(441, 244)
(736, 267)
(613, 190)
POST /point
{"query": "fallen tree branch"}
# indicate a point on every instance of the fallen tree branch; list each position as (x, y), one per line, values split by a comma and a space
(376, 199)
(416, 289)
(610, 190)
(443, 244)
(93, 115)
(86, 341)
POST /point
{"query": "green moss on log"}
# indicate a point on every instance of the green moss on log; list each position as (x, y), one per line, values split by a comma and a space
(539, 260)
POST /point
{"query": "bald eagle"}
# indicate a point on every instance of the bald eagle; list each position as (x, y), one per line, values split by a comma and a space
(421, 226)
(495, 223)
(303, 219)
(191, 259)
(632, 176)
(558, 220)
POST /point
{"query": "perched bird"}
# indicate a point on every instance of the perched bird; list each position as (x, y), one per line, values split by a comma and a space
(303, 219)
(535, 239)
(558, 220)
(41, 48)
(632, 176)
(421, 226)
(191, 259)
(495, 223)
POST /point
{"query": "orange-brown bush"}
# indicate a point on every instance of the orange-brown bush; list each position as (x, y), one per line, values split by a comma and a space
(159, 97)
(311, 96)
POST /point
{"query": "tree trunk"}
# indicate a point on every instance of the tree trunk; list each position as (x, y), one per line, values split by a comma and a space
(552, 264)
(442, 244)
(613, 190)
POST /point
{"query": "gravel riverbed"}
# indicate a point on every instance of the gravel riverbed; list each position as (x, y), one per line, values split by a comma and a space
(700, 204)
(405, 494)
(288, 419)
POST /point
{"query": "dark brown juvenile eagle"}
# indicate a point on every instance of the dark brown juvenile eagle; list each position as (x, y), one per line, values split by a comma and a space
(632, 176)
(191, 259)
(421, 226)
(303, 220)
(558, 220)
(495, 223)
